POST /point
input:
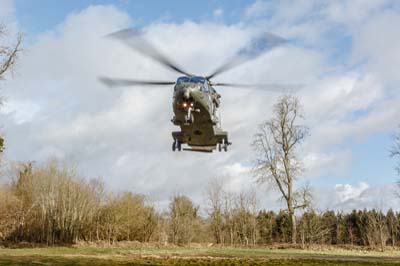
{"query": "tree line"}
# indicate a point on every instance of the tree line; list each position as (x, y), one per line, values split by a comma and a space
(51, 204)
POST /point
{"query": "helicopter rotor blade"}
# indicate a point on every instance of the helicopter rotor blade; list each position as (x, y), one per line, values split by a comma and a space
(265, 87)
(135, 40)
(131, 82)
(256, 47)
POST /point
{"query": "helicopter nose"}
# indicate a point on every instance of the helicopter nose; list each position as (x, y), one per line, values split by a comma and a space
(186, 93)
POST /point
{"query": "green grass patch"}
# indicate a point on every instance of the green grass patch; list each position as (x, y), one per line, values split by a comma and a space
(192, 256)
(62, 261)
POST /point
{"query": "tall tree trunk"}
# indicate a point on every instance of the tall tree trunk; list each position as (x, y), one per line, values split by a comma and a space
(293, 225)
(291, 212)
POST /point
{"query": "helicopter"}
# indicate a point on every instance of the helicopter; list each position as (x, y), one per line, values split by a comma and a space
(195, 99)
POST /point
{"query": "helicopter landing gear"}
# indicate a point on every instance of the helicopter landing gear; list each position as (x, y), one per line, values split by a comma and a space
(176, 145)
(223, 146)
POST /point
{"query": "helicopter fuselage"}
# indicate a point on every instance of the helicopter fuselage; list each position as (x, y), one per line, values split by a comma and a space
(195, 103)
(195, 100)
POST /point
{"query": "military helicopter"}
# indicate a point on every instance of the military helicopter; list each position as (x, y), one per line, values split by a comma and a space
(195, 100)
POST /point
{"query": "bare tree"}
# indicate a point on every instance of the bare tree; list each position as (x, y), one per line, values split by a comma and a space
(312, 229)
(10, 212)
(253, 208)
(8, 56)
(8, 53)
(377, 229)
(395, 153)
(215, 209)
(277, 162)
(244, 217)
(183, 218)
(228, 214)
(393, 226)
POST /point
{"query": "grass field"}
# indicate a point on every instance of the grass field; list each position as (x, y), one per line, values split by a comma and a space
(192, 256)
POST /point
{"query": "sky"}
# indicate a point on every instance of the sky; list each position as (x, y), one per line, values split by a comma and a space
(345, 52)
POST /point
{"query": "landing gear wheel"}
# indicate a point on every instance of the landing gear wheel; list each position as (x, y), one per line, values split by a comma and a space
(224, 145)
(219, 147)
(179, 146)
(174, 145)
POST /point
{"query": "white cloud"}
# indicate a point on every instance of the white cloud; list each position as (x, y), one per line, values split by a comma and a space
(352, 13)
(348, 197)
(237, 177)
(6, 9)
(257, 9)
(218, 12)
(22, 111)
(382, 52)
(336, 96)
(330, 162)
(347, 192)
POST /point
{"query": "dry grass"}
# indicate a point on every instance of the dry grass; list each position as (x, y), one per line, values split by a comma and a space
(136, 254)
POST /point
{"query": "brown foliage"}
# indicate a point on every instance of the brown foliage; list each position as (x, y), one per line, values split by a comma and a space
(50, 204)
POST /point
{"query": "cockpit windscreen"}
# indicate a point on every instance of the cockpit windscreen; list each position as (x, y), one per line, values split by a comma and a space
(194, 79)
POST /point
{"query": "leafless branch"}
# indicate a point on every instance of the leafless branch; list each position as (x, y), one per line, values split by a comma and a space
(8, 54)
(395, 151)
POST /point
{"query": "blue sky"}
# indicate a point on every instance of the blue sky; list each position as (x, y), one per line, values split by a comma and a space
(345, 51)
(43, 16)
